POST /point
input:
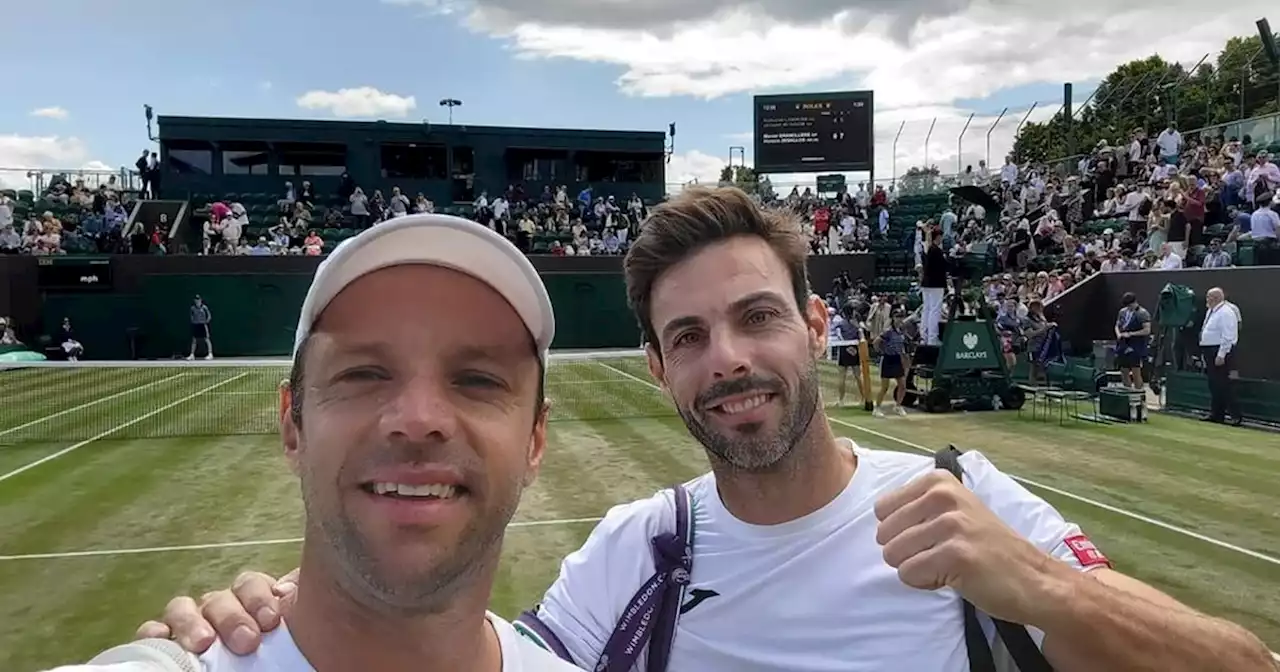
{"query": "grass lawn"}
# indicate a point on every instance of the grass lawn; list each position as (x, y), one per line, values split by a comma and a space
(201, 468)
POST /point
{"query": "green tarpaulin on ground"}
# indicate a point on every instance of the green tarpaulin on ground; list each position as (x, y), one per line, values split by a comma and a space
(23, 355)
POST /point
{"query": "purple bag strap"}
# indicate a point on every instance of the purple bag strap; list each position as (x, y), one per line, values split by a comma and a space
(676, 558)
(651, 615)
(529, 625)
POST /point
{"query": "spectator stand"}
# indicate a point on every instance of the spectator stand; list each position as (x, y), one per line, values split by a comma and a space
(67, 211)
(283, 223)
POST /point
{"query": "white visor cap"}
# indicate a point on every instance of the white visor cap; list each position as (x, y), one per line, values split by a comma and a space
(435, 240)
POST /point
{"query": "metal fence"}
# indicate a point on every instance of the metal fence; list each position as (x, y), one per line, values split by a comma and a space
(37, 180)
(1262, 131)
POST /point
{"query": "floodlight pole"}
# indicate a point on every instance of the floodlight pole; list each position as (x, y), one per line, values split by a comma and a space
(1022, 123)
(450, 103)
(960, 144)
(894, 180)
(989, 130)
(927, 138)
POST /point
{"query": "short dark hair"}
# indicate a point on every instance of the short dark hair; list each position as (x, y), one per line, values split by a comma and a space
(1128, 299)
(297, 372)
(698, 217)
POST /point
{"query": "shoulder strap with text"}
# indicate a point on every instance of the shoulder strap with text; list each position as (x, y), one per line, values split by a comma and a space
(650, 617)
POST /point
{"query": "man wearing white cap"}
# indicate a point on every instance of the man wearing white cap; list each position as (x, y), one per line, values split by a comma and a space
(414, 418)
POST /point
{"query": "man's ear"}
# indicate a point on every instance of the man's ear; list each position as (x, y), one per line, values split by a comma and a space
(290, 433)
(537, 444)
(656, 369)
(818, 321)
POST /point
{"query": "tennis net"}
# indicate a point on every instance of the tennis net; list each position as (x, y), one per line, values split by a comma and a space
(83, 401)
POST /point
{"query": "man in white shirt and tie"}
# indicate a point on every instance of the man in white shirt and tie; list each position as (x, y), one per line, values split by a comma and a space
(1218, 339)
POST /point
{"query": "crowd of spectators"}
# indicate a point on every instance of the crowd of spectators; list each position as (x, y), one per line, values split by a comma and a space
(1155, 203)
(843, 224)
(88, 220)
(550, 222)
(1164, 203)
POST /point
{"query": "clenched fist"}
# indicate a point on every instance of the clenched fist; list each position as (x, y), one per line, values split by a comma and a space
(937, 533)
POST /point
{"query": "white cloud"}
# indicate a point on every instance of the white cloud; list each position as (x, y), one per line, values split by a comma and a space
(364, 101)
(693, 166)
(21, 154)
(962, 50)
(53, 112)
(919, 56)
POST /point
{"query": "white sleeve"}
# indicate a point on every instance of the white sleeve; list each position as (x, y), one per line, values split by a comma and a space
(1029, 515)
(136, 666)
(1034, 519)
(585, 602)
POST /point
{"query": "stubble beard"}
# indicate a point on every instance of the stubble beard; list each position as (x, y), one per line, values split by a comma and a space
(750, 450)
(431, 589)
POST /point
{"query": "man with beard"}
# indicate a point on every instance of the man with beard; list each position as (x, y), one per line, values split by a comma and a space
(414, 418)
(812, 553)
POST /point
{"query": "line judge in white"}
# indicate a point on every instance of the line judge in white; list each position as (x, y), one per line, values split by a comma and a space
(414, 418)
(1218, 339)
(809, 553)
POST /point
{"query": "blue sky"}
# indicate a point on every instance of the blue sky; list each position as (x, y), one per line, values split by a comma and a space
(81, 71)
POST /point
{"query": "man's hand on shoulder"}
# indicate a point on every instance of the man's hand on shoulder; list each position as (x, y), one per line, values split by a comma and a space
(937, 533)
(238, 616)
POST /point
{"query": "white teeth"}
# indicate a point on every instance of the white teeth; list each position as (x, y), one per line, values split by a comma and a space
(437, 490)
(744, 405)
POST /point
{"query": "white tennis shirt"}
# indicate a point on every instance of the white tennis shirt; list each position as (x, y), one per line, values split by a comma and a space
(279, 653)
(809, 595)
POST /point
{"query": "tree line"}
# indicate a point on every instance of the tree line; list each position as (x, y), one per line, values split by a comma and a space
(1240, 83)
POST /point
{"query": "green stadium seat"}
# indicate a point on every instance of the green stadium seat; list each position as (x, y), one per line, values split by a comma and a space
(1057, 374)
(1082, 379)
(1246, 254)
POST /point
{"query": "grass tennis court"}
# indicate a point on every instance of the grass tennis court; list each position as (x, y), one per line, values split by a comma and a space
(139, 463)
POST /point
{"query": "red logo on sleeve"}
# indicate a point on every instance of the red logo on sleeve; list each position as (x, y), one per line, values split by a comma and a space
(1086, 552)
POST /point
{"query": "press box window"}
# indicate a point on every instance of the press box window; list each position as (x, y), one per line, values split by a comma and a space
(189, 157)
(245, 158)
(416, 162)
(298, 158)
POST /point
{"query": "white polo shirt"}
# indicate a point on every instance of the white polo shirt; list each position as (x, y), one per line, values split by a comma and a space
(809, 595)
(279, 653)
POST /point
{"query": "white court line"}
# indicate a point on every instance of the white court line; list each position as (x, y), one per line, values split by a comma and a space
(620, 372)
(243, 544)
(244, 393)
(1085, 500)
(88, 404)
(117, 428)
(1040, 486)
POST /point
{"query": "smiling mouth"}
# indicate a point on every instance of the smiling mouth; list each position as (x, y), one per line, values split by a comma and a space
(432, 491)
(741, 405)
